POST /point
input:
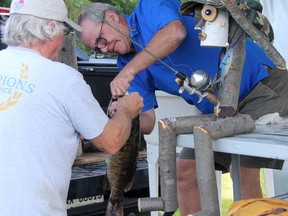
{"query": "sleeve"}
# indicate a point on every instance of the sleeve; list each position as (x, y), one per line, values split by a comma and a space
(84, 111)
(149, 97)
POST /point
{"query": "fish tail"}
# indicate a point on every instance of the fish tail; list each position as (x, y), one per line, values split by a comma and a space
(114, 208)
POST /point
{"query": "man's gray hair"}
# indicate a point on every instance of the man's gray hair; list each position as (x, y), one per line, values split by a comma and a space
(27, 30)
(95, 12)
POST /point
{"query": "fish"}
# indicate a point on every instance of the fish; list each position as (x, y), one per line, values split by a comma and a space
(121, 171)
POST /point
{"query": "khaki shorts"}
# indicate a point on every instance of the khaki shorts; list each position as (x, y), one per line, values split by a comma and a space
(269, 96)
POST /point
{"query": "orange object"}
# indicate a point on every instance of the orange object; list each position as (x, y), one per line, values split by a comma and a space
(259, 207)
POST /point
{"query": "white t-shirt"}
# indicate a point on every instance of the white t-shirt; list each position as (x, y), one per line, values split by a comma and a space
(44, 106)
(275, 11)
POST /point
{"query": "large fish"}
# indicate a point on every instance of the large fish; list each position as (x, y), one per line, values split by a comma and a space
(121, 171)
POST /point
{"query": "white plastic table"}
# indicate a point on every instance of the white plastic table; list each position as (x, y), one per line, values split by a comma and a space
(269, 141)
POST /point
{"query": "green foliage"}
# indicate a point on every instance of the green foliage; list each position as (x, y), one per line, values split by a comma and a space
(75, 6)
(225, 206)
(5, 3)
(126, 6)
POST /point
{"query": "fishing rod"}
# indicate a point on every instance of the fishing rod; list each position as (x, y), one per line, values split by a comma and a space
(199, 81)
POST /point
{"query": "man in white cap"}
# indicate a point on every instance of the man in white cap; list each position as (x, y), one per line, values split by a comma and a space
(44, 107)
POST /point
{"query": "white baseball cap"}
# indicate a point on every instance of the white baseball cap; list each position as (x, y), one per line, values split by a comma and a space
(46, 9)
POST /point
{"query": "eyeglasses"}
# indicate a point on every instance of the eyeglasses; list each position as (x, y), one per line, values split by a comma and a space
(100, 42)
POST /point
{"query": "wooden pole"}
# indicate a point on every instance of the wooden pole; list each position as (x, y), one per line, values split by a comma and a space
(150, 204)
(206, 177)
(229, 90)
(169, 128)
(68, 51)
(167, 159)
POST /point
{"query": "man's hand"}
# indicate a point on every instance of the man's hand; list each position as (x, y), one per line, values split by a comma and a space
(133, 101)
(132, 104)
(121, 83)
(112, 108)
(117, 129)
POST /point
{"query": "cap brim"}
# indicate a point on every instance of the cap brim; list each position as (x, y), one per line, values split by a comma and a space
(73, 25)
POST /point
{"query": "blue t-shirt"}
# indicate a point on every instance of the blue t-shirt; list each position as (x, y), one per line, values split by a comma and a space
(146, 20)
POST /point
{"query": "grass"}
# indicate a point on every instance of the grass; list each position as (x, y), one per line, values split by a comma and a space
(227, 193)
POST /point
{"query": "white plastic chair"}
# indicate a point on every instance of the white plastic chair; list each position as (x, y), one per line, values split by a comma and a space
(276, 181)
(169, 106)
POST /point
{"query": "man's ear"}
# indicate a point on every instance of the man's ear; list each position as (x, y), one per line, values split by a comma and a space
(112, 16)
(51, 26)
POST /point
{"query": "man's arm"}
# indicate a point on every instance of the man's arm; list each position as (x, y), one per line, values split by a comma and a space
(147, 121)
(117, 129)
(164, 42)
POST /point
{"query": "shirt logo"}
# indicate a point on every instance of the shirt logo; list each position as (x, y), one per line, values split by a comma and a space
(15, 86)
(18, 4)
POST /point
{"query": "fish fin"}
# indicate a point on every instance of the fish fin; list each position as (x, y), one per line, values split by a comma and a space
(130, 183)
(106, 183)
(114, 208)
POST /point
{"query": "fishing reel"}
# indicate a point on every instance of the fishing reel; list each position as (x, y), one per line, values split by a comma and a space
(198, 83)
